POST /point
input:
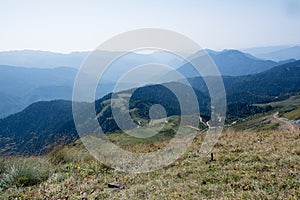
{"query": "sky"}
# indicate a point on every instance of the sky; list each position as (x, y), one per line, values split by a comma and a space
(70, 25)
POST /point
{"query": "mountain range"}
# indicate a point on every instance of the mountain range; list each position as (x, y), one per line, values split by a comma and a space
(21, 86)
(232, 63)
(44, 125)
(46, 59)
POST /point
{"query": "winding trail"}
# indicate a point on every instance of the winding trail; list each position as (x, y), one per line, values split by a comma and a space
(192, 127)
(291, 126)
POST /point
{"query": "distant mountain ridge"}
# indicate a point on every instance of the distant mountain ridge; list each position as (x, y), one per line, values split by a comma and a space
(47, 59)
(42, 59)
(277, 54)
(231, 63)
(21, 86)
(283, 54)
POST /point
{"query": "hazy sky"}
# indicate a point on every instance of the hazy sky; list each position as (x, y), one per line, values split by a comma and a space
(70, 25)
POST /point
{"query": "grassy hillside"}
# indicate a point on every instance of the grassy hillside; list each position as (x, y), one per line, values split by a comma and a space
(293, 114)
(288, 108)
(265, 121)
(248, 165)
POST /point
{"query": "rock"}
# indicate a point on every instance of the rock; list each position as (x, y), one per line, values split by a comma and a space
(117, 185)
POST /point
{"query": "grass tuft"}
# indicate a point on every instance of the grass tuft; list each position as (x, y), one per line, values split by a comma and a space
(24, 172)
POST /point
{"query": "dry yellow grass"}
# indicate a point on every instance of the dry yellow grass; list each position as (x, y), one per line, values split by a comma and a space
(249, 165)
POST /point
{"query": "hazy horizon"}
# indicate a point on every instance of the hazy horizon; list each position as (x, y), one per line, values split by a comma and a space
(82, 26)
(218, 50)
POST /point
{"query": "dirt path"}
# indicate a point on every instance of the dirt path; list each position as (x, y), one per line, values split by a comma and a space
(290, 126)
(192, 127)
